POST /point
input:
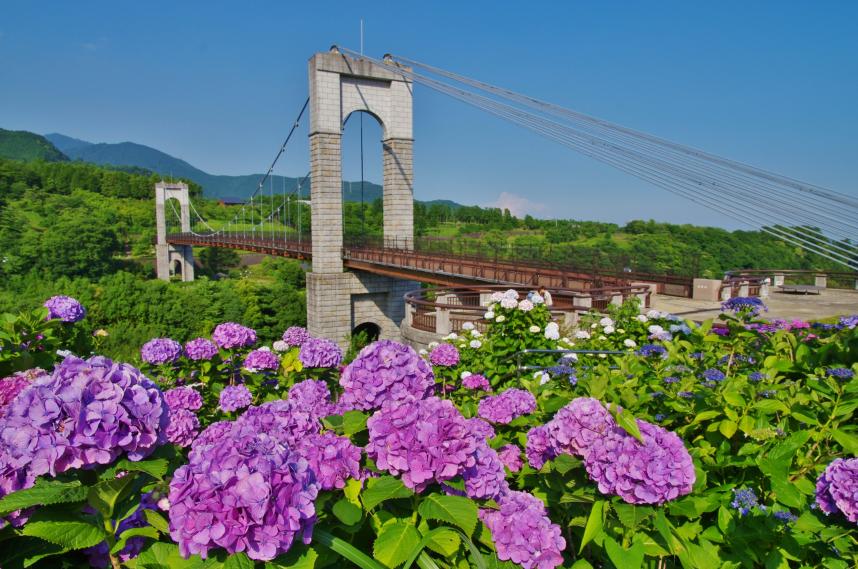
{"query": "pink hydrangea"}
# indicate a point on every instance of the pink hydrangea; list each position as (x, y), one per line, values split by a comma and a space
(314, 396)
(261, 360)
(837, 488)
(333, 459)
(444, 355)
(539, 448)
(230, 335)
(576, 426)
(510, 456)
(183, 398)
(506, 406)
(523, 533)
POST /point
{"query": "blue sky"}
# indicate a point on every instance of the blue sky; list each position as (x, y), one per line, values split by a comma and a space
(218, 84)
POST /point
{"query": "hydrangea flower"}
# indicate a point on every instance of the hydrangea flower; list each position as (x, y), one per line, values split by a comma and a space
(480, 429)
(654, 472)
(535, 329)
(785, 517)
(837, 488)
(386, 371)
(285, 420)
(582, 335)
(183, 427)
(743, 305)
(552, 331)
(444, 355)
(183, 398)
(744, 500)
(320, 353)
(261, 360)
(248, 491)
(212, 434)
(506, 406)
(295, 336)
(523, 533)
(65, 308)
(280, 346)
(87, 412)
(234, 397)
(713, 374)
(671, 379)
(525, 305)
(840, 372)
(159, 351)
(756, 376)
(11, 386)
(575, 427)
(486, 479)
(230, 335)
(200, 349)
(629, 343)
(312, 395)
(422, 441)
(333, 459)
(475, 381)
(509, 303)
(650, 350)
(510, 456)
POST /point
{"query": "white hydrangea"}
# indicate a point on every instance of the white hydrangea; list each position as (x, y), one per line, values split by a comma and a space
(608, 329)
(542, 376)
(603, 356)
(468, 326)
(570, 357)
(511, 293)
(642, 318)
(509, 303)
(621, 330)
(594, 325)
(606, 322)
(582, 335)
(476, 333)
(451, 336)
(476, 344)
(602, 338)
(465, 375)
(552, 331)
(500, 318)
(281, 346)
(264, 349)
(433, 345)
(64, 353)
(489, 315)
(535, 329)
(497, 296)
(525, 305)
(655, 329)
(629, 343)
(653, 314)
(422, 352)
(536, 298)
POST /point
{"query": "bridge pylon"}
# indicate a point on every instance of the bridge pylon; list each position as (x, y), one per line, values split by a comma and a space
(172, 259)
(340, 302)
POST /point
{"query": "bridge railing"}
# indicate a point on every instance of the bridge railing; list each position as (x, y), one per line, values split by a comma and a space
(820, 278)
(440, 311)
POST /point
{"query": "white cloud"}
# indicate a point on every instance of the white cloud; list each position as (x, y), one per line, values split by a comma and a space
(518, 205)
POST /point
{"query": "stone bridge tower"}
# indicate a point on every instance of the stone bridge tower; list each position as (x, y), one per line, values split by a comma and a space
(338, 302)
(172, 259)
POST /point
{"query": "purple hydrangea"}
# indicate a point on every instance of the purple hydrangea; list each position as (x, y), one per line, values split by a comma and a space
(248, 491)
(575, 427)
(314, 396)
(385, 371)
(285, 420)
(444, 355)
(261, 360)
(653, 472)
(840, 372)
(333, 459)
(183, 427)
(486, 478)
(200, 349)
(744, 305)
(756, 376)
(86, 413)
(651, 350)
(476, 381)
(230, 335)
(506, 406)
(785, 517)
(65, 308)
(849, 322)
(422, 441)
(744, 500)
(296, 336)
(320, 353)
(671, 379)
(11, 386)
(159, 351)
(539, 448)
(510, 456)
(212, 434)
(523, 533)
(234, 397)
(183, 398)
(713, 374)
(480, 429)
(837, 488)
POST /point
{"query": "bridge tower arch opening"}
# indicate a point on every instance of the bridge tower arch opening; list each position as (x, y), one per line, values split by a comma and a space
(339, 86)
(166, 254)
(362, 144)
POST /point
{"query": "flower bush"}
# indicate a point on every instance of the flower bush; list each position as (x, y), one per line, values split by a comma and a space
(729, 443)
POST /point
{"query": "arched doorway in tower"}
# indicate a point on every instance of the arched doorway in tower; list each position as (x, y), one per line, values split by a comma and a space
(176, 268)
(364, 334)
(363, 211)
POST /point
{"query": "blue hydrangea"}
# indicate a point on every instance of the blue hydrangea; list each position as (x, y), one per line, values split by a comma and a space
(744, 500)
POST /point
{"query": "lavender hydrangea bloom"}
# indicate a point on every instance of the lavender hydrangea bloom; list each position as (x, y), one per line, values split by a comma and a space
(523, 533)
(247, 492)
(333, 459)
(422, 441)
(840, 373)
(744, 500)
(476, 381)
(849, 322)
(230, 335)
(486, 478)
(506, 406)
(183, 427)
(200, 349)
(837, 488)
(234, 397)
(480, 429)
(385, 371)
(321, 353)
(11, 386)
(212, 434)
(654, 472)
(159, 351)
(295, 336)
(744, 305)
(713, 374)
(87, 412)
(510, 456)
(283, 419)
(539, 448)
(575, 427)
(314, 396)
(65, 308)
(183, 398)
(445, 355)
(650, 350)
(261, 360)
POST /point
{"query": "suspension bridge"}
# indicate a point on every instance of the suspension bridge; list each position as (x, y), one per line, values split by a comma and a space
(358, 282)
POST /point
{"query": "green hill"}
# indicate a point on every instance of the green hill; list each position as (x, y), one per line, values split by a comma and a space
(23, 145)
